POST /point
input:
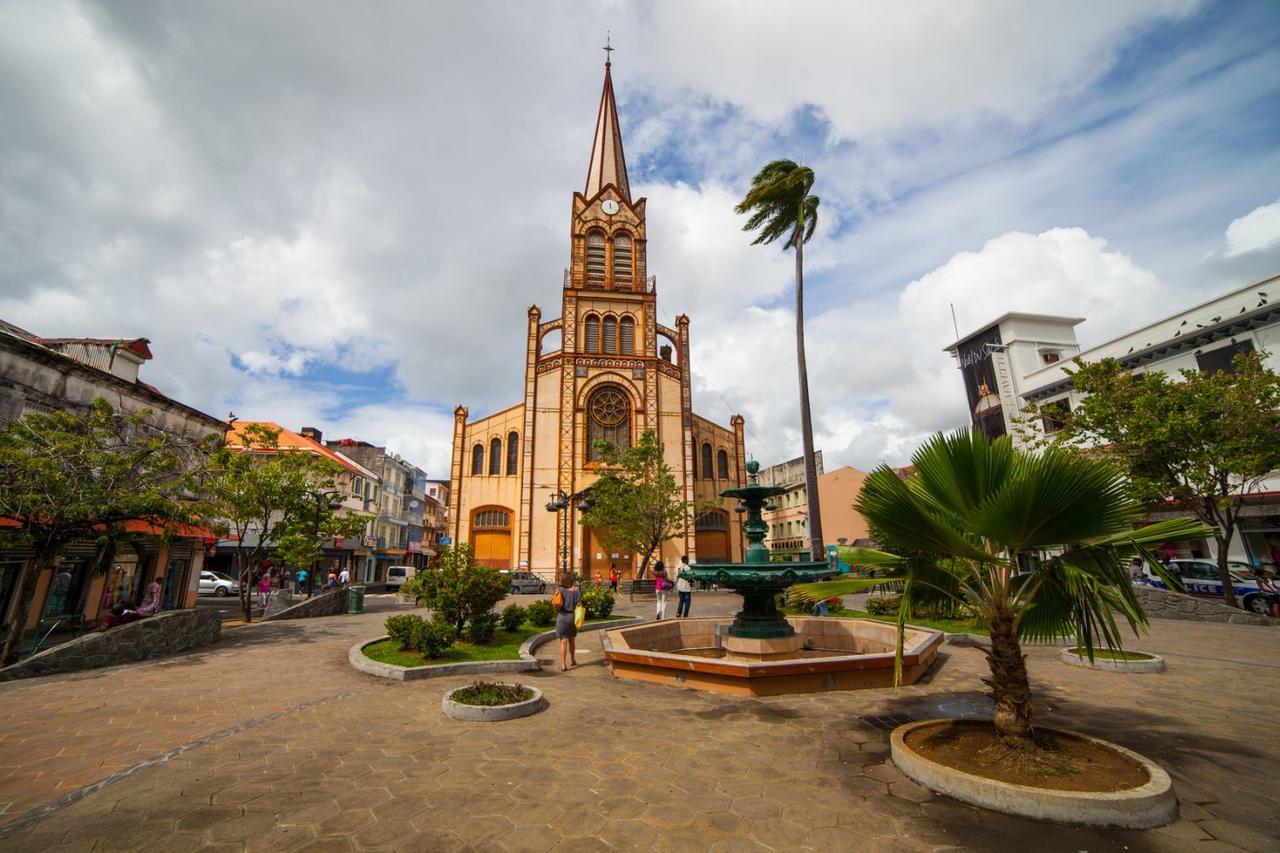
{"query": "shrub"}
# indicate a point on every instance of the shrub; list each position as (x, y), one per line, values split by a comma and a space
(489, 694)
(400, 628)
(513, 616)
(460, 589)
(432, 638)
(481, 627)
(598, 602)
(883, 605)
(541, 613)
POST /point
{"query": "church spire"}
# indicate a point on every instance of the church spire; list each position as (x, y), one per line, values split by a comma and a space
(608, 165)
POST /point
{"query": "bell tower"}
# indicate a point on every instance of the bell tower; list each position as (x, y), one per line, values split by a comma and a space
(608, 273)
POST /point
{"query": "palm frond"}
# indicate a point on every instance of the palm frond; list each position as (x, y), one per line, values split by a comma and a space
(894, 508)
(822, 590)
(1053, 499)
(868, 557)
(959, 471)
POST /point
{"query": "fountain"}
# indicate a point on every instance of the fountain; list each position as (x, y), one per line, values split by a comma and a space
(762, 651)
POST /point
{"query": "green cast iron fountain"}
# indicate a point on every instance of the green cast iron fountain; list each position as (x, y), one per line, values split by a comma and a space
(756, 579)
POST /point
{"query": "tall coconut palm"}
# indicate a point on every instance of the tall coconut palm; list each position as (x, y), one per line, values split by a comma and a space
(1036, 546)
(780, 205)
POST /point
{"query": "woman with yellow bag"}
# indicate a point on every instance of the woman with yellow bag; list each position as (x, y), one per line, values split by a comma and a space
(567, 600)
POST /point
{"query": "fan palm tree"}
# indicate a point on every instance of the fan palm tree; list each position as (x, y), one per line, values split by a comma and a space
(1035, 545)
(780, 205)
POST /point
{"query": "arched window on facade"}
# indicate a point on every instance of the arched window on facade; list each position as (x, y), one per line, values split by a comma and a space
(608, 419)
(592, 326)
(722, 465)
(495, 457)
(595, 258)
(477, 460)
(622, 261)
(627, 335)
(611, 335)
(513, 453)
(706, 462)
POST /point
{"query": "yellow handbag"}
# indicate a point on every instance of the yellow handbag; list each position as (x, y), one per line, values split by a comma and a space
(579, 616)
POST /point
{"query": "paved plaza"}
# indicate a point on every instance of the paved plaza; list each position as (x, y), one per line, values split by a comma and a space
(270, 741)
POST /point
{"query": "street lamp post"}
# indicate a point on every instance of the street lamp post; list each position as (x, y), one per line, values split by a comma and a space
(561, 502)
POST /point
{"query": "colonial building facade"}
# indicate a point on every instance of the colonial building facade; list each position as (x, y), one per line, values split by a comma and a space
(618, 372)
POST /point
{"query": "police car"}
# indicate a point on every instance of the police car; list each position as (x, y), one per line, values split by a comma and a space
(1202, 579)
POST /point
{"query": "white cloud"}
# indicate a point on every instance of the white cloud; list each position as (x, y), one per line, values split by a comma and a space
(267, 200)
(1258, 229)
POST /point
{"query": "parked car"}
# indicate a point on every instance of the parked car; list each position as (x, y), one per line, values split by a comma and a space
(397, 575)
(1202, 579)
(524, 582)
(216, 583)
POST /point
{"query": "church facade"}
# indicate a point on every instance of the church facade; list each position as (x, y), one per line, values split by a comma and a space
(618, 372)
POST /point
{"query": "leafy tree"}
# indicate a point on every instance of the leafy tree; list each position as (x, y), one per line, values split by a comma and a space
(1203, 441)
(67, 476)
(780, 205)
(460, 589)
(1036, 545)
(276, 500)
(636, 505)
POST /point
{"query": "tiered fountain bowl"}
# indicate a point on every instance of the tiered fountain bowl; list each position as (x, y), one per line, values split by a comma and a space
(761, 651)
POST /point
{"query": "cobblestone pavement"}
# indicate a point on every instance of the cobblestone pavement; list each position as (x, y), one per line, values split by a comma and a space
(374, 765)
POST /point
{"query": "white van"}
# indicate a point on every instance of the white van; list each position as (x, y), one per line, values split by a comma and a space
(397, 575)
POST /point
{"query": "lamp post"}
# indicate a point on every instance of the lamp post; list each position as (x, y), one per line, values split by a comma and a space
(561, 502)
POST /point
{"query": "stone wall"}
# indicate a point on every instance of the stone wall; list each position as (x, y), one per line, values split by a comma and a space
(325, 604)
(1163, 604)
(156, 636)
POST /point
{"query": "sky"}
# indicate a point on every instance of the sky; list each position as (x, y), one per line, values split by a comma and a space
(337, 214)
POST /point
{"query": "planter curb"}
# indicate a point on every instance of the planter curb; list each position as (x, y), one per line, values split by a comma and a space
(526, 663)
(1144, 807)
(1154, 664)
(492, 713)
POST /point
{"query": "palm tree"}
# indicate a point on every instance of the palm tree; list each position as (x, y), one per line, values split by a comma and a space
(780, 206)
(1036, 546)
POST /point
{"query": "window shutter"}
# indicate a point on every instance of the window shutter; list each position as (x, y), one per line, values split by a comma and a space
(626, 336)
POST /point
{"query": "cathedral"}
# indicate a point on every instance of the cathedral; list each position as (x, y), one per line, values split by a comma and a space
(618, 372)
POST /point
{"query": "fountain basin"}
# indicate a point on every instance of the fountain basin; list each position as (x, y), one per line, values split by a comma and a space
(833, 654)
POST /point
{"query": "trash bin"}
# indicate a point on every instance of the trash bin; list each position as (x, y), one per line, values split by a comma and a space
(359, 599)
(355, 599)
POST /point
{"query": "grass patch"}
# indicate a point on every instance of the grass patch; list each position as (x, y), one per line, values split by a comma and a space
(950, 626)
(1111, 654)
(505, 646)
(488, 695)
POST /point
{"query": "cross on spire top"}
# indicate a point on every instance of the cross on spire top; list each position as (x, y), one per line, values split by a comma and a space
(608, 49)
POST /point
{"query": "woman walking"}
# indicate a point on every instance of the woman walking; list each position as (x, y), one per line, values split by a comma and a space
(569, 597)
(660, 586)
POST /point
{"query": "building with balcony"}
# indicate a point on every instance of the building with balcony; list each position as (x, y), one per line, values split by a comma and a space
(357, 491)
(788, 534)
(1019, 360)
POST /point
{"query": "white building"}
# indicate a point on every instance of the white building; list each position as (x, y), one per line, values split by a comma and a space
(1018, 360)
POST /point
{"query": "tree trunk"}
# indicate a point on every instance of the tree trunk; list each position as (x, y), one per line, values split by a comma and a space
(817, 548)
(246, 602)
(1010, 688)
(1224, 570)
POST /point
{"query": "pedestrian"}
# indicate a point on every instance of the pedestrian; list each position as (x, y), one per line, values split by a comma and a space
(151, 600)
(286, 581)
(1268, 587)
(613, 578)
(598, 579)
(344, 577)
(684, 590)
(660, 586)
(264, 591)
(332, 582)
(566, 598)
(302, 580)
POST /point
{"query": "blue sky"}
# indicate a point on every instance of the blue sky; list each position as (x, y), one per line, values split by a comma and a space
(330, 217)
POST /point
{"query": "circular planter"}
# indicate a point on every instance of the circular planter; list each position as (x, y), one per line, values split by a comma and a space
(1144, 807)
(492, 713)
(1151, 663)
